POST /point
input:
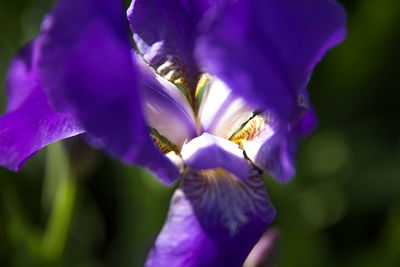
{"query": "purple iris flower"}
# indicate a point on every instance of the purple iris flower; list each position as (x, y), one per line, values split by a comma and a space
(213, 92)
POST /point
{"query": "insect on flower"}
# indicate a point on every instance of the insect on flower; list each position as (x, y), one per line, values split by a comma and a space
(213, 92)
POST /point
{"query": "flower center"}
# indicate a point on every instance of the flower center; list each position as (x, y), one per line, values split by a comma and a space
(176, 115)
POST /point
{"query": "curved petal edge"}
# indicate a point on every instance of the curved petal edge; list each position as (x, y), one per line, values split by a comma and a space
(215, 219)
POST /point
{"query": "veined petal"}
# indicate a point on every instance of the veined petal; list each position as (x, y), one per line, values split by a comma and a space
(215, 219)
(274, 149)
(165, 33)
(29, 128)
(30, 123)
(87, 69)
(210, 152)
(222, 112)
(165, 107)
(265, 50)
(269, 146)
(276, 154)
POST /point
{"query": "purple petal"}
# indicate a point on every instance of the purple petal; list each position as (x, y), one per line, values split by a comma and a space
(274, 149)
(307, 124)
(215, 219)
(21, 78)
(210, 152)
(265, 50)
(269, 145)
(165, 33)
(30, 122)
(264, 252)
(166, 108)
(276, 156)
(88, 70)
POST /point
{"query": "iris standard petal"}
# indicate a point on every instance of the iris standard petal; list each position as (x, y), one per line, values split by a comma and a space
(222, 112)
(269, 145)
(30, 123)
(265, 50)
(165, 107)
(274, 150)
(165, 33)
(215, 219)
(87, 69)
(307, 124)
(210, 152)
(276, 155)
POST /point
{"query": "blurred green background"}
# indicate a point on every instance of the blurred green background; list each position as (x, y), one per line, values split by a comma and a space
(342, 209)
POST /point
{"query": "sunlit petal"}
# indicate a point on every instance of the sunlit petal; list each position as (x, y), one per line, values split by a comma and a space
(215, 219)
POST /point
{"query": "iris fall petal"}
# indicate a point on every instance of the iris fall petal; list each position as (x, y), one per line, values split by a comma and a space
(30, 123)
(97, 80)
(215, 219)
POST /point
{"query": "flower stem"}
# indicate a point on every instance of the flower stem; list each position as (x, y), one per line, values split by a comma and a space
(63, 198)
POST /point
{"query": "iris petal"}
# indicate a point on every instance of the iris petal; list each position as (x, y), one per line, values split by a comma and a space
(307, 123)
(165, 33)
(166, 108)
(274, 149)
(265, 50)
(275, 155)
(209, 152)
(269, 146)
(215, 219)
(21, 77)
(87, 69)
(30, 123)
(221, 112)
